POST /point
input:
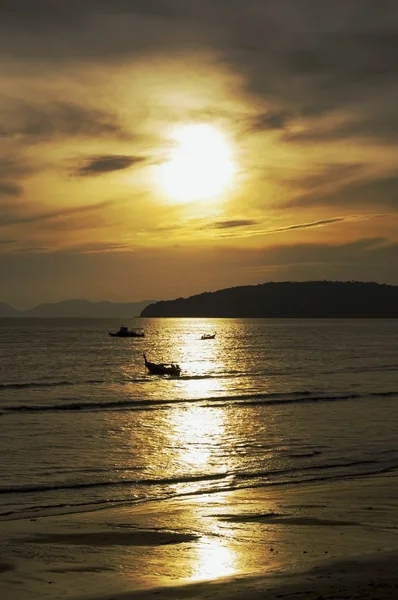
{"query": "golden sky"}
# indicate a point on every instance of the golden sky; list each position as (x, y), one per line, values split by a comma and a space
(154, 149)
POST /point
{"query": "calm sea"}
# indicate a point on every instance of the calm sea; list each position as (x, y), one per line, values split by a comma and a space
(267, 402)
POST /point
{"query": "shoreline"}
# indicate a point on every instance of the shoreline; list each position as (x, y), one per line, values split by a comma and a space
(370, 578)
(227, 544)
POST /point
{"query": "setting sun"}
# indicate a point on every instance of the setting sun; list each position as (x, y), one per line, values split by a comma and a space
(200, 166)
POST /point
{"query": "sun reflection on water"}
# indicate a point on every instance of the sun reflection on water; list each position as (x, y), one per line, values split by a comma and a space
(197, 432)
(199, 436)
(215, 559)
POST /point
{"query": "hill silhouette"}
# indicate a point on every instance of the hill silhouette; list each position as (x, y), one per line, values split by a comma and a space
(306, 299)
(8, 311)
(78, 309)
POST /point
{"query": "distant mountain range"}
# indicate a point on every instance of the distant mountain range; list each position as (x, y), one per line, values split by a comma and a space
(78, 309)
(307, 299)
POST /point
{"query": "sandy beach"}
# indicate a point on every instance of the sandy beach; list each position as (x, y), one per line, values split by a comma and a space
(326, 541)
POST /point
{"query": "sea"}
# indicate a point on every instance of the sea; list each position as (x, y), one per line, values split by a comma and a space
(266, 403)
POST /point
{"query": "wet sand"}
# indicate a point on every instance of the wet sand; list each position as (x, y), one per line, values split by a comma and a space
(369, 579)
(327, 541)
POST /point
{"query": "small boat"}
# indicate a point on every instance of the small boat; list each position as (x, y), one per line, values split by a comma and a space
(208, 336)
(125, 332)
(162, 368)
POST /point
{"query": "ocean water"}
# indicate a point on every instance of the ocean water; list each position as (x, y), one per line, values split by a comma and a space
(266, 403)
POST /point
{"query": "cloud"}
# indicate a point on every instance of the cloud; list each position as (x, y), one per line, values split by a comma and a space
(99, 165)
(14, 166)
(320, 223)
(301, 58)
(308, 225)
(19, 214)
(94, 29)
(297, 72)
(10, 189)
(36, 122)
(272, 120)
(374, 121)
(349, 56)
(324, 175)
(378, 192)
(232, 224)
(99, 247)
(28, 14)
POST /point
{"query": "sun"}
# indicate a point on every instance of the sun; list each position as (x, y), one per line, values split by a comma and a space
(201, 165)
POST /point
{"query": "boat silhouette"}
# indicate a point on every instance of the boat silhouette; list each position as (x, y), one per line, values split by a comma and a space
(125, 332)
(162, 368)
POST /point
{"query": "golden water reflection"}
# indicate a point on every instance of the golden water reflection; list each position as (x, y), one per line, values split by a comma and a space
(203, 440)
(215, 559)
(197, 433)
(202, 388)
(199, 436)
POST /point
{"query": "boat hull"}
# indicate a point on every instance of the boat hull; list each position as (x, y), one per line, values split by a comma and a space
(127, 335)
(162, 368)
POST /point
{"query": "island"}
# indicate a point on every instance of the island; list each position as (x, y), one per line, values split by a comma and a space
(288, 299)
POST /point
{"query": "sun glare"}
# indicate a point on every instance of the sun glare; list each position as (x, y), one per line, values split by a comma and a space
(201, 165)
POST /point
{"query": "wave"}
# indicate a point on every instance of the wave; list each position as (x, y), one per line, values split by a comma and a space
(31, 385)
(47, 384)
(206, 484)
(60, 508)
(268, 478)
(299, 469)
(123, 382)
(28, 489)
(304, 454)
(267, 399)
(361, 368)
(328, 398)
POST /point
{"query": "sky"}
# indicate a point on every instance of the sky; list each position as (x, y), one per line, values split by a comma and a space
(152, 149)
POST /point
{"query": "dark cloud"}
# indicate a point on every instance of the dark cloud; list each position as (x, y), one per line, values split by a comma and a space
(300, 62)
(95, 247)
(347, 56)
(338, 174)
(14, 167)
(319, 223)
(36, 122)
(312, 59)
(234, 223)
(10, 189)
(313, 69)
(301, 58)
(375, 121)
(270, 120)
(377, 192)
(98, 165)
(94, 29)
(310, 225)
(24, 13)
